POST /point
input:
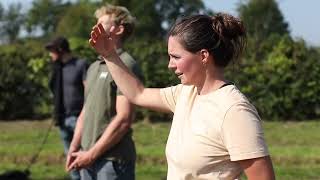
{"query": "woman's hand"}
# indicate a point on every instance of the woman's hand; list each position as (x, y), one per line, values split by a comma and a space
(102, 41)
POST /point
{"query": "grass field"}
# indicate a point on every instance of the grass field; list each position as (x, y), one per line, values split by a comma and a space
(294, 147)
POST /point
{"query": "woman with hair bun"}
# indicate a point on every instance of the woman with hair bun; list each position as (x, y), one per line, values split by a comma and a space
(216, 132)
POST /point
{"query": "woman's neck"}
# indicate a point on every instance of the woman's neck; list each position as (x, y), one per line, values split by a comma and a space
(212, 81)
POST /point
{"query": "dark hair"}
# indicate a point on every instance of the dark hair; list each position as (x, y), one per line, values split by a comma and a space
(59, 44)
(223, 35)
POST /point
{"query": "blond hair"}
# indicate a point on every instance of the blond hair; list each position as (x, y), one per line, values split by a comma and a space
(120, 16)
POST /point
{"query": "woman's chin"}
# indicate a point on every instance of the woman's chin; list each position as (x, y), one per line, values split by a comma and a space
(185, 82)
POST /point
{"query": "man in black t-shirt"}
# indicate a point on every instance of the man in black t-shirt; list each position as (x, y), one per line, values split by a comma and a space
(67, 86)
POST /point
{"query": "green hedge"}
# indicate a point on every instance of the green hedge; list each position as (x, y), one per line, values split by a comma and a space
(23, 81)
(283, 84)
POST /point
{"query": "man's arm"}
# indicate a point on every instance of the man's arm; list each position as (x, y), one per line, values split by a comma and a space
(258, 168)
(117, 128)
(112, 135)
(75, 143)
(78, 131)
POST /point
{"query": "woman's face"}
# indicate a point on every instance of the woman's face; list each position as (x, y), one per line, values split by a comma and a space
(186, 65)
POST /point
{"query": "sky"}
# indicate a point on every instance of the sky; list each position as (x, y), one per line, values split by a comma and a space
(302, 16)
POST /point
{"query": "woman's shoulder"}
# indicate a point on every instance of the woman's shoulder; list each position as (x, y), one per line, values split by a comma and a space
(232, 94)
(229, 96)
(180, 89)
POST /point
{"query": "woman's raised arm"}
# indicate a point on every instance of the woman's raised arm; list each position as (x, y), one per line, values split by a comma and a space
(126, 81)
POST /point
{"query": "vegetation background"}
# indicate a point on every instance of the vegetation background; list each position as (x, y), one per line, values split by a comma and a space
(279, 74)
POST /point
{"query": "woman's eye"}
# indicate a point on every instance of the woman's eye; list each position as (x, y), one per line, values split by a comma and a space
(175, 57)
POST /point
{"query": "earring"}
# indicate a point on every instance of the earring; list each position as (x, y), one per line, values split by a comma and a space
(204, 63)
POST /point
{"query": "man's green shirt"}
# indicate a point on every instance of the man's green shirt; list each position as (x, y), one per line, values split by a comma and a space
(100, 107)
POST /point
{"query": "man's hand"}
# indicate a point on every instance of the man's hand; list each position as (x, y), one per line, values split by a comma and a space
(81, 159)
(102, 41)
(70, 159)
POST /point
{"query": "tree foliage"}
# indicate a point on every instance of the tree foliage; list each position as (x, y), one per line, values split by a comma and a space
(45, 15)
(81, 27)
(23, 81)
(262, 19)
(1, 12)
(274, 69)
(11, 22)
(278, 74)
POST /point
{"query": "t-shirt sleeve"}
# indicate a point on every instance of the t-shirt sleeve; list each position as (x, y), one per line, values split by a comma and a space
(242, 133)
(170, 96)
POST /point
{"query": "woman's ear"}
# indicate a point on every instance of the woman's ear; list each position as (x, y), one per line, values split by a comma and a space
(204, 53)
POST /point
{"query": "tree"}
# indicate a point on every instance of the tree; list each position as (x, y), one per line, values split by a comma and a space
(81, 25)
(262, 18)
(11, 22)
(23, 80)
(45, 14)
(1, 11)
(170, 10)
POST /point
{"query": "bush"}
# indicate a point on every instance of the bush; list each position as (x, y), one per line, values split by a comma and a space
(23, 81)
(285, 84)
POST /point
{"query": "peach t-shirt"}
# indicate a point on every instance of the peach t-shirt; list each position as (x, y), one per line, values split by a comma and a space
(209, 132)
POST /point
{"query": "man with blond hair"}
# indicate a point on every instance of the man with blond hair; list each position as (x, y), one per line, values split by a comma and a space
(102, 146)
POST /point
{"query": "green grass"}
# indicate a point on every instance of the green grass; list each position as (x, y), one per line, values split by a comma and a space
(294, 148)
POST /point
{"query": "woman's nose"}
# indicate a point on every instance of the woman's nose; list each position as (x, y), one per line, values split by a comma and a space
(171, 64)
